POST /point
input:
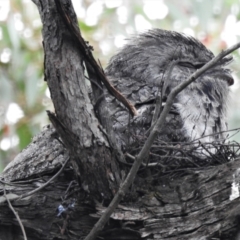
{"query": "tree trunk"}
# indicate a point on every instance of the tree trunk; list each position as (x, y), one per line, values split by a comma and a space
(185, 204)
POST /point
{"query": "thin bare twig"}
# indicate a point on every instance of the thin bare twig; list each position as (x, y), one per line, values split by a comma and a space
(216, 133)
(48, 182)
(44, 185)
(158, 107)
(144, 164)
(158, 104)
(16, 214)
(153, 134)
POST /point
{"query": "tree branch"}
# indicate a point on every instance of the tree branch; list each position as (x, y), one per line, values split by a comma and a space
(77, 122)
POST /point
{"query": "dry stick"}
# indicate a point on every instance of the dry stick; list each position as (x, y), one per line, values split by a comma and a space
(163, 87)
(48, 182)
(43, 186)
(145, 149)
(16, 214)
(212, 134)
(158, 104)
(158, 107)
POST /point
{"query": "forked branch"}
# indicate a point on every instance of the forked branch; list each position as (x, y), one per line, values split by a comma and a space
(86, 51)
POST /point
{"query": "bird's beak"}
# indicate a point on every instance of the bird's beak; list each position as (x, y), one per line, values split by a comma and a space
(226, 76)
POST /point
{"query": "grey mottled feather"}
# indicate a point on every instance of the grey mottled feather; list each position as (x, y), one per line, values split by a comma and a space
(137, 71)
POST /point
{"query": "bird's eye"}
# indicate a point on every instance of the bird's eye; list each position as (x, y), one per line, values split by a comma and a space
(191, 65)
(186, 64)
(199, 65)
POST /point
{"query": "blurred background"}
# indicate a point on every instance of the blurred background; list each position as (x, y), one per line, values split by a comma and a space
(106, 24)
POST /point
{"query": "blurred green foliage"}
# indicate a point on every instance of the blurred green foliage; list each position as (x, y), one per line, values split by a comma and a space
(105, 24)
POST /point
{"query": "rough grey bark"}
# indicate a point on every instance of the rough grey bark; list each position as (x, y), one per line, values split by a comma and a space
(186, 204)
(80, 132)
(193, 204)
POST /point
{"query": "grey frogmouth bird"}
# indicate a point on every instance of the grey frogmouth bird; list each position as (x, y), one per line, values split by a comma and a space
(152, 64)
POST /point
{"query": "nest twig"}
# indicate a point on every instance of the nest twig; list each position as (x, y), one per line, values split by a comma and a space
(165, 157)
